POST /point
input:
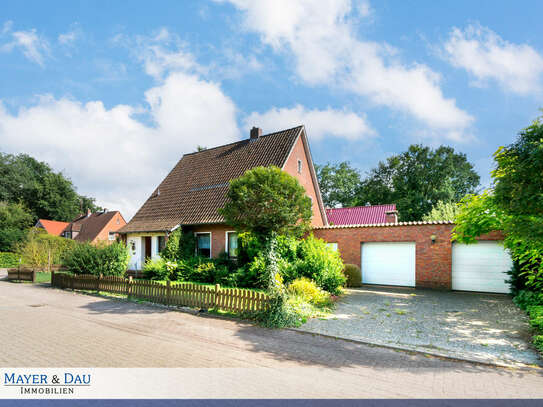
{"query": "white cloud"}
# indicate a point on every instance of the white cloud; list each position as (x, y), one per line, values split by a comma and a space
(327, 51)
(319, 123)
(6, 27)
(113, 155)
(32, 45)
(486, 56)
(70, 37)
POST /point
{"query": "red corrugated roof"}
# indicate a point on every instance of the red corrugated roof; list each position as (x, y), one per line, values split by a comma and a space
(359, 215)
(53, 227)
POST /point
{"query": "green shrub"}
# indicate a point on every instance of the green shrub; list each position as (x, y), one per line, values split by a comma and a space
(156, 269)
(322, 264)
(525, 299)
(308, 291)
(536, 317)
(280, 314)
(353, 274)
(108, 260)
(538, 342)
(41, 250)
(8, 260)
(187, 245)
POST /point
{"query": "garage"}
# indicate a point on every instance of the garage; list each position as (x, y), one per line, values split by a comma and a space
(388, 263)
(480, 267)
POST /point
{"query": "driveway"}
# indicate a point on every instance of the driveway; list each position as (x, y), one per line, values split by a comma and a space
(42, 326)
(473, 326)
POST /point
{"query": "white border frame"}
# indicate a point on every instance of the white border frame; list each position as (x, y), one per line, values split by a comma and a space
(226, 242)
(210, 242)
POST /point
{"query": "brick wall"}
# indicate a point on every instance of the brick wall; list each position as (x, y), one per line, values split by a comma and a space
(304, 178)
(218, 236)
(433, 260)
(115, 223)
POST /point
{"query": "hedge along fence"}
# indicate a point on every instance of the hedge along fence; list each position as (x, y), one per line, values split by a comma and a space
(180, 294)
(8, 259)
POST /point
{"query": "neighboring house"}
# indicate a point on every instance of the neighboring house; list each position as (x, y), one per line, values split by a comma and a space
(194, 190)
(95, 227)
(53, 227)
(362, 215)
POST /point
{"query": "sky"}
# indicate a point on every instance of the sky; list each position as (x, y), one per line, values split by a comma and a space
(114, 93)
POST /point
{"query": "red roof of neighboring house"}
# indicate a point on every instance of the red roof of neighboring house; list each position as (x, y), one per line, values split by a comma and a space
(359, 215)
(53, 227)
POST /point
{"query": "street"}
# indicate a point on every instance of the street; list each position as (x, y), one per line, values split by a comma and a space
(45, 327)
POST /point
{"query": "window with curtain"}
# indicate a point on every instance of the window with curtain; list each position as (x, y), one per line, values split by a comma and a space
(161, 243)
(232, 244)
(203, 244)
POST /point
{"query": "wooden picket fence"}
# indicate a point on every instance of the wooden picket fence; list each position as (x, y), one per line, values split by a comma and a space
(22, 274)
(179, 294)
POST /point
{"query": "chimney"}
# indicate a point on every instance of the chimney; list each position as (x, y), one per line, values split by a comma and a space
(391, 217)
(256, 132)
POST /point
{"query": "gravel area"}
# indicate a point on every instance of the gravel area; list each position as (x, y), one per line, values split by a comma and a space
(472, 326)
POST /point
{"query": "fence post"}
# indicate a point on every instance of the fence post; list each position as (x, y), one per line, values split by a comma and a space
(168, 292)
(216, 300)
(52, 278)
(19, 272)
(33, 275)
(129, 287)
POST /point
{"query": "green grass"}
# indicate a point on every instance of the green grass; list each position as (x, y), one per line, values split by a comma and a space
(43, 277)
(163, 282)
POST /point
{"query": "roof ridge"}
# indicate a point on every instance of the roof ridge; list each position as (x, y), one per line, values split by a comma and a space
(362, 206)
(242, 140)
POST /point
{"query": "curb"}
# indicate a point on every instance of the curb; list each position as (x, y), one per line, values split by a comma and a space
(483, 362)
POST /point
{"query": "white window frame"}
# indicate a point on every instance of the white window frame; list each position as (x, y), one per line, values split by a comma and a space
(333, 245)
(110, 235)
(210, 242)
(226, 242)
(299, 166)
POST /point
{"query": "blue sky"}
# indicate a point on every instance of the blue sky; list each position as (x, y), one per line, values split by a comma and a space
(113, 95)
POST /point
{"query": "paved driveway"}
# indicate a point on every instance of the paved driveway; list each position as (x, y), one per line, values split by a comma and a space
(484, 327)
(48, 327)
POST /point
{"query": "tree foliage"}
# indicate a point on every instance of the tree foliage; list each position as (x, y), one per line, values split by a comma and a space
(46, 194)
(418, 179)
(515, 205)
(41, 250)
(267, 200)
(338, 183)
(442, 211)
(14, 220)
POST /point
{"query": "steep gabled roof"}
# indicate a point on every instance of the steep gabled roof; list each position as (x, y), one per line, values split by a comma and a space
(89, 226)
(359, 215)
(53, 227)
(196, 188)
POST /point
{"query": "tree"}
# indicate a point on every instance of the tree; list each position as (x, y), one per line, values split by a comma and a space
(338, 183)
(418, 179)
(14, 220)
(515, 205)
(442, 211)
(46, 194)
(267, 200)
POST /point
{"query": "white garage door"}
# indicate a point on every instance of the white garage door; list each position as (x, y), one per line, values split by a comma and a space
(388, 263)
(480, 266)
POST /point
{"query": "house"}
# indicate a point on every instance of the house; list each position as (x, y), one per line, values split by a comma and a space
(52, 227)
(95, 227)
(362, 215)
(191, 194)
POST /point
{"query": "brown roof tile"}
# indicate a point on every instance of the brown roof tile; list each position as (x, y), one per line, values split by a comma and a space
(90, 226)
(196, 187)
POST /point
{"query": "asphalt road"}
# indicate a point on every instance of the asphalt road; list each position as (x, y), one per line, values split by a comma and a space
(46, 327)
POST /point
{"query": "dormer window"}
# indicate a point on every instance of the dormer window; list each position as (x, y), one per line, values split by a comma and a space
(299, 166)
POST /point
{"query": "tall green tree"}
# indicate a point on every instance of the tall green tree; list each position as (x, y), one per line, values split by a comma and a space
(418, 179)
(46, 194)
(515, 205)
(338, 183)
(442, 211)
(15, 219)
(267, 201)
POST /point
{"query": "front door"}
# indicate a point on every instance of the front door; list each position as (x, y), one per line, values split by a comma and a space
(147, 247)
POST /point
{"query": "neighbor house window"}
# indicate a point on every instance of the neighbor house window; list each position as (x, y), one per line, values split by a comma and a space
(161, 243)
(111, 235)
(203, 244)
(232, 244)
(299, 166)
(332, 245)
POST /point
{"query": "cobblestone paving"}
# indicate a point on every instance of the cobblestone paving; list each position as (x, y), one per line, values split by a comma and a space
(45, 327)
(473, 326)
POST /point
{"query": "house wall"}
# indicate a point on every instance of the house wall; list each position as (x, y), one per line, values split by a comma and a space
(114, 224)
(291, 167)
(218, 236)
(433, 268)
